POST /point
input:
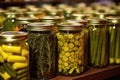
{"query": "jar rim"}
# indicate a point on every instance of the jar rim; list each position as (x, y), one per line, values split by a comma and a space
(13, 36)
(40, 26)
(72, 26)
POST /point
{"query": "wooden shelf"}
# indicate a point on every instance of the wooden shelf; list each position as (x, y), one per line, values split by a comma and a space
(94, 74)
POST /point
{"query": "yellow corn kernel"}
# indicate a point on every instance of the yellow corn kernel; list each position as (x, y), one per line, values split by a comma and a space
(71, 45)
(70, 36)
(65, 48)
(65, 58)
(65, 64)
(67, 54)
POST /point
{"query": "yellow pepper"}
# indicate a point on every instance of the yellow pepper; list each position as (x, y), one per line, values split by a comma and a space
(12, 49)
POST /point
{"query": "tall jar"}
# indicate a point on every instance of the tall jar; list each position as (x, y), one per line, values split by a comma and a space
(42, 51)
(86, 31)
(71, 49)
(98, 42)
(114, 39)
(14, 56)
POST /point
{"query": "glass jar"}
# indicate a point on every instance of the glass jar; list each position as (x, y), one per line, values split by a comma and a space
(84, 30)
(14, 56)
(42, 51)
(98, 42)
(114, 39)
(71, 46)
(23, 21)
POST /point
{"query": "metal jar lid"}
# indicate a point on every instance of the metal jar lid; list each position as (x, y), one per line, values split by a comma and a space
(26, 20)
(113, 20)
(81, 21)
(40, 26)
(71, 26)
(97, 21)
(51, 19)
(10, 36)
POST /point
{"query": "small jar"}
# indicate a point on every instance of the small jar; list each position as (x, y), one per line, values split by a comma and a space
(98, 35)
(114, 39)
(14, 56)
(71, 46)
(23, 21)
(42, 51)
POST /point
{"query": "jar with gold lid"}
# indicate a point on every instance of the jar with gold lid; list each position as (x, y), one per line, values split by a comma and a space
(98, 35)
(114, 39)
(42, 45)
(14, 56)
(71, 49)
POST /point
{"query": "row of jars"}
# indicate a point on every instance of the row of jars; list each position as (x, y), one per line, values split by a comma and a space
(66, 51)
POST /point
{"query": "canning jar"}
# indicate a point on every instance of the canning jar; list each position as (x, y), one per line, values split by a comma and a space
(71, 46)
(14, 56)
(42, 51)
(114, 39)
(84, 30)
(23, 21)
(98, 35)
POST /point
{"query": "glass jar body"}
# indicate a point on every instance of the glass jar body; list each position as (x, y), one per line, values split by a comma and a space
(114, 43)
(14, 60)
(98, 36)
(42, 54)
(71, 46)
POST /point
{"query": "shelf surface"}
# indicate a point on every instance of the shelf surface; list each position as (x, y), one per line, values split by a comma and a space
(94, 74)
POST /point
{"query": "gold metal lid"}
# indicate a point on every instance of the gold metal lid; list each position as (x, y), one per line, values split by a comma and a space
(71, 26)
(26, 20)
(40, 26)
(81, 21)
(113, 20)
(97, 21)
(10, 36)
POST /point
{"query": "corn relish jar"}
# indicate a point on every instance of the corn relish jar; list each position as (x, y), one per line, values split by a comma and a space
(14, 56)
(71, 46)
(114, 39)
(42, 45)
(98, 35)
